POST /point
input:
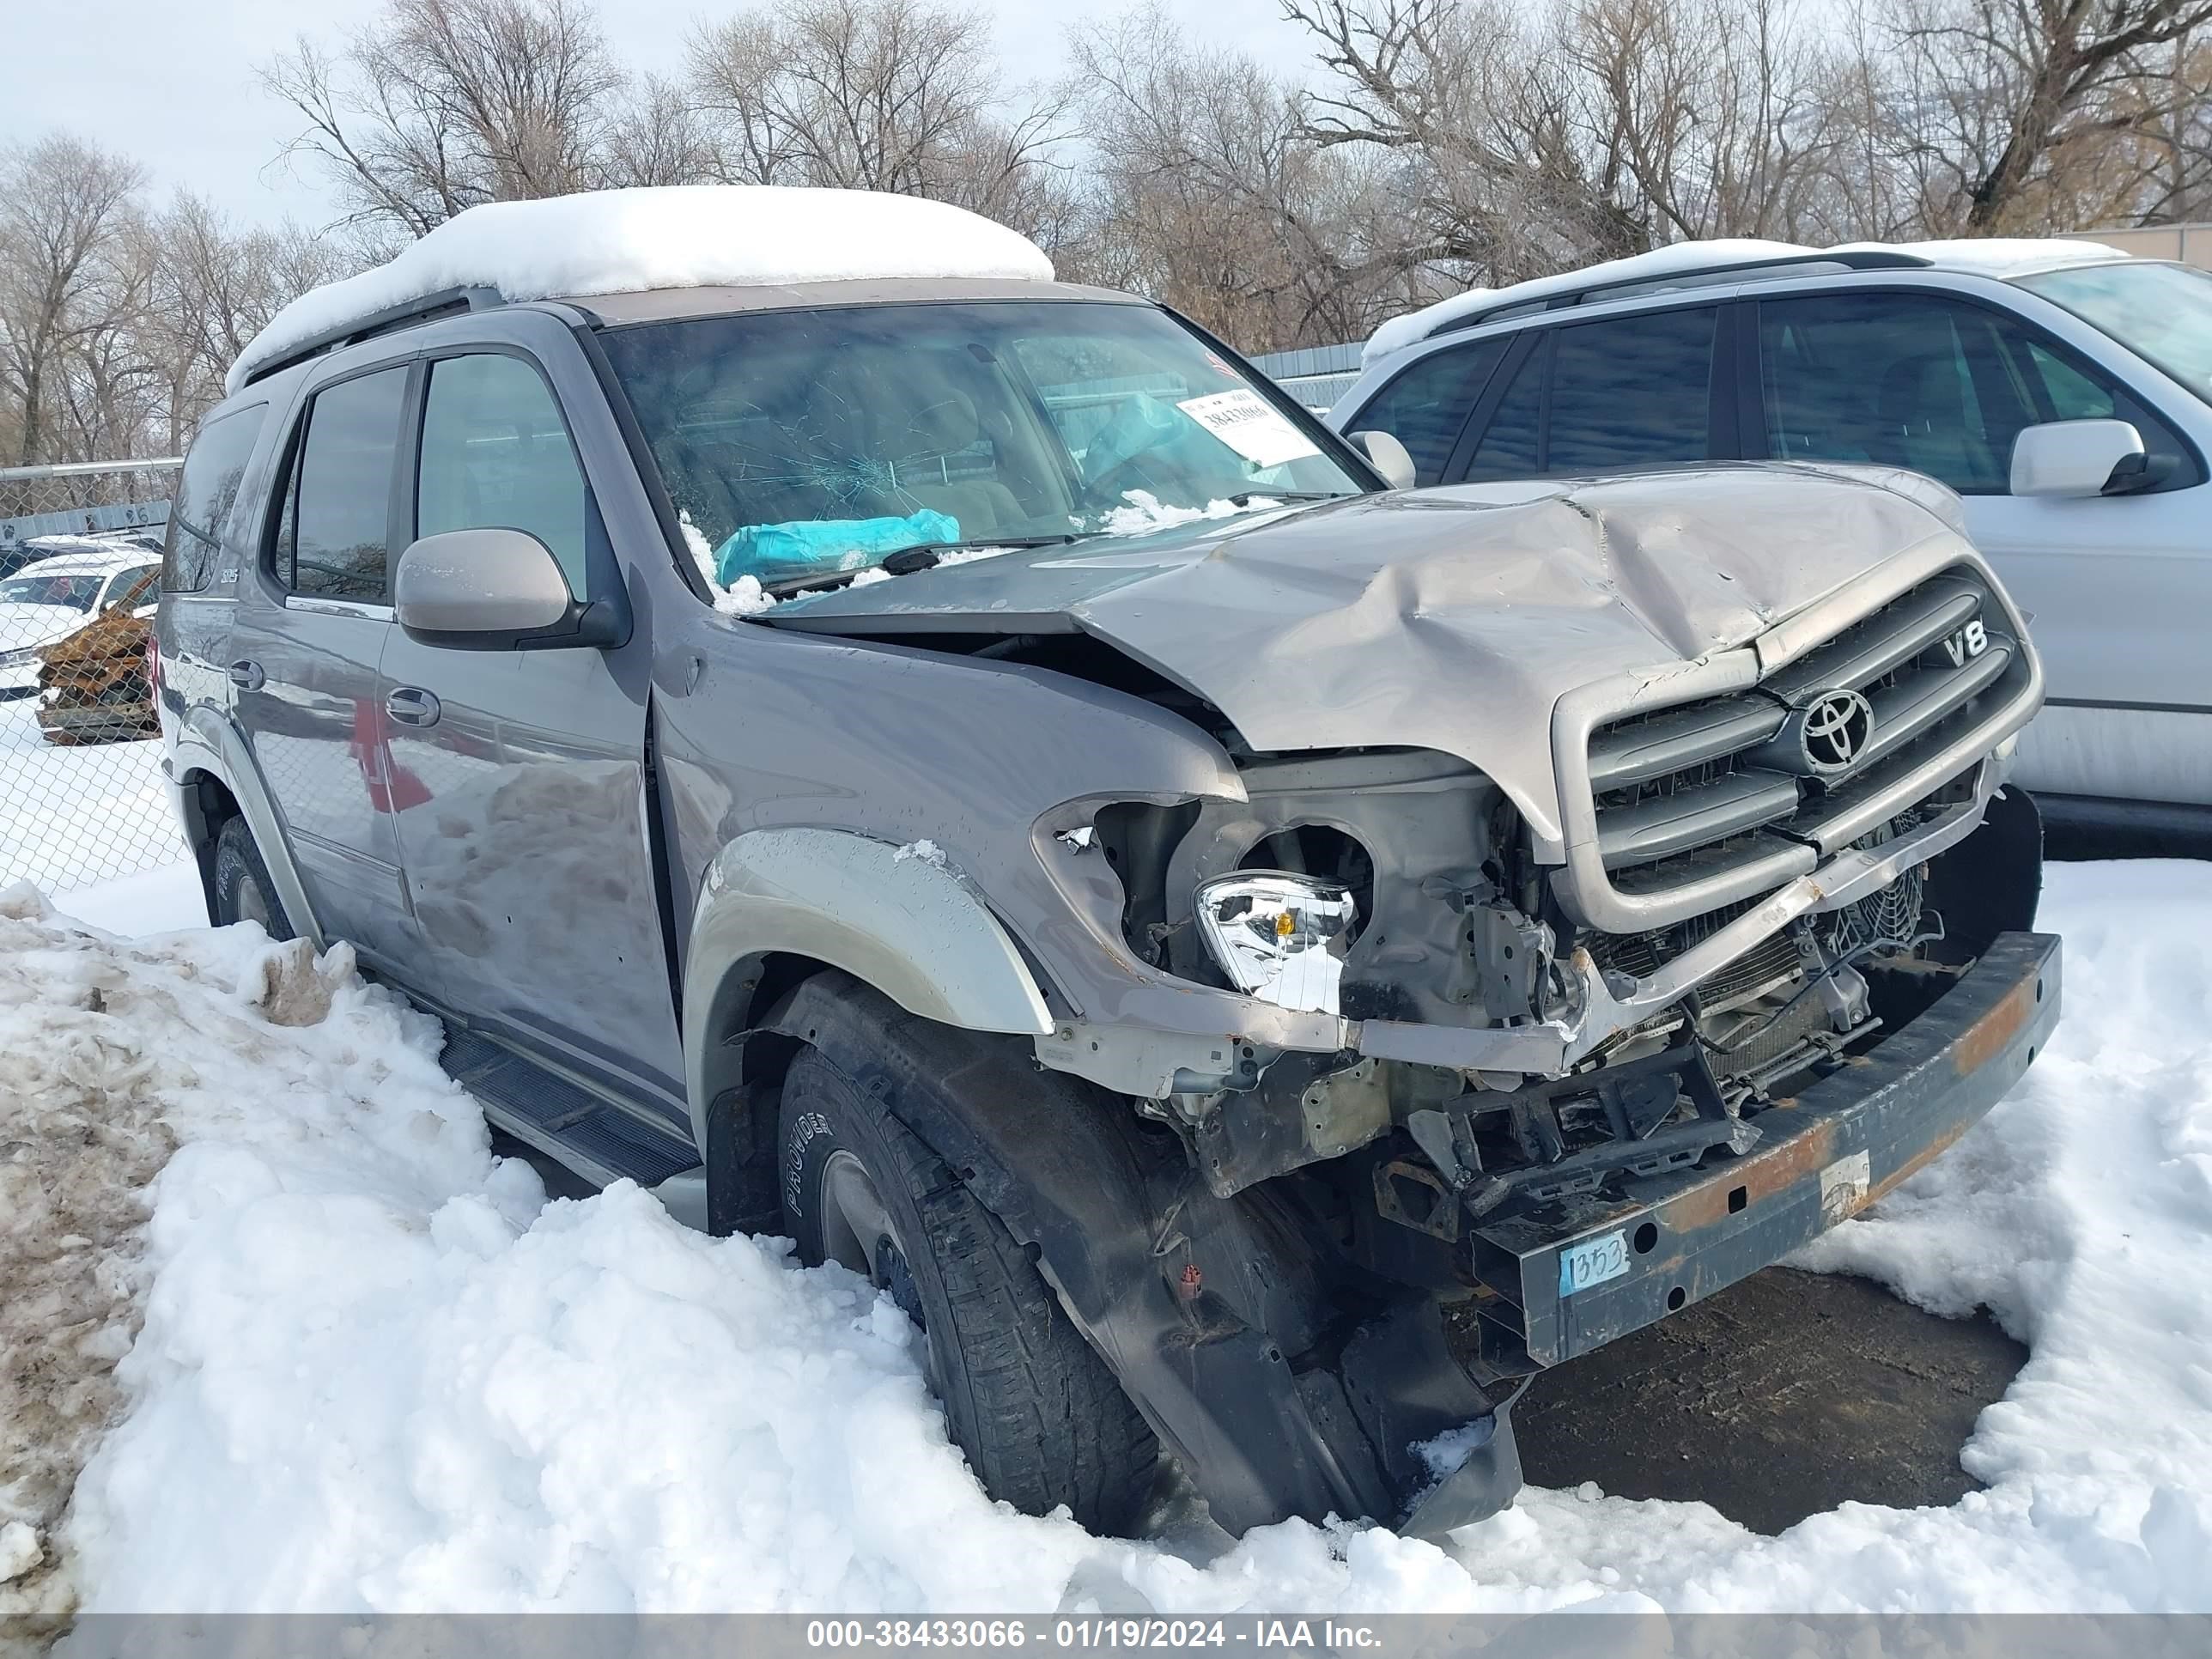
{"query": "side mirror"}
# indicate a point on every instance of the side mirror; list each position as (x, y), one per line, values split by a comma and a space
(2079, 458)
(1388, 457)
(493, 590)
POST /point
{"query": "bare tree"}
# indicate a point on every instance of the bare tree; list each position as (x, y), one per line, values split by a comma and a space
(659, 135)
(2022, 109)
(66, 207)
(1435, 144)
(1205, 191)
(442, 104)
(902, 96)
(1697, 117)
(215, 285)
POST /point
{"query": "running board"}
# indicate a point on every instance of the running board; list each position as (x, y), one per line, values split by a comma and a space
(583, 1130)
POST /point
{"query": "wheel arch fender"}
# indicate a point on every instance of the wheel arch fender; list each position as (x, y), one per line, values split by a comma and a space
(897, 919)
(210, 748)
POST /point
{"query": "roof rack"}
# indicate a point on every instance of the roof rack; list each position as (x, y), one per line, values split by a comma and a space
(1687, 276)
(446, 302)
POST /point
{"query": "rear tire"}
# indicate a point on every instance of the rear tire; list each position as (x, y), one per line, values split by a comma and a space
(243, 891)
(1042, 1419)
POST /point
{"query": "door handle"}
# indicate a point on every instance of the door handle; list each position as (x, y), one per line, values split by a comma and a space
(246, 676)
(410, 705)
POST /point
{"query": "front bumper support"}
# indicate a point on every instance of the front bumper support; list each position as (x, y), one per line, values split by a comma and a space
(1822, 1156)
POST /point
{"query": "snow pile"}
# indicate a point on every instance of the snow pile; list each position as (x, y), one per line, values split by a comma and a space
(1995, 256)
(614, 241)
(373, 1374)
(80, 1138)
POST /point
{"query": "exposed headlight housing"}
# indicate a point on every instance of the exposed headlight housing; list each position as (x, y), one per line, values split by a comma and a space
(1278, 937)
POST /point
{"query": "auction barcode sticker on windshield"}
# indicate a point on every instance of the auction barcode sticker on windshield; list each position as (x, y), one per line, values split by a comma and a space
(1593, 1262)
(1244, 421)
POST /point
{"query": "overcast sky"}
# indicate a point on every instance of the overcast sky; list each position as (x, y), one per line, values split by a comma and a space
(173, 85)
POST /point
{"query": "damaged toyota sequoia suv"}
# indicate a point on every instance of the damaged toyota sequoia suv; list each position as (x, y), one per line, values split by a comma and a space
(957, 768)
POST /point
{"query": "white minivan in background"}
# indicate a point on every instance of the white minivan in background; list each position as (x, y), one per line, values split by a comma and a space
(2062, 389)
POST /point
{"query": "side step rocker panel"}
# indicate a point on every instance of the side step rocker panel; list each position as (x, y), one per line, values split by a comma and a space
(584, 1131)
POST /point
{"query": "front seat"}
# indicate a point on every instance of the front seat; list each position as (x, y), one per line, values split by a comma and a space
(921, 451)
(1926, 424)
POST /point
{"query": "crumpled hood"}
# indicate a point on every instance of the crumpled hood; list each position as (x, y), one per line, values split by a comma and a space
(1445, 619)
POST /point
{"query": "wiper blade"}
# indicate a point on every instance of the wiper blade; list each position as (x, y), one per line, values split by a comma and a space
(1245, 498)
(922, 556)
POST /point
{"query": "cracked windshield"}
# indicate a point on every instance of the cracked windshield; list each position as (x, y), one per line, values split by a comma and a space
(806, 449)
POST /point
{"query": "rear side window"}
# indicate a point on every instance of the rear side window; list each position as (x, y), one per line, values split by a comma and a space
(1628, 392)
(333, 538)
(205, 493)
(1631, 391)
(495, 455)
(1425, 407)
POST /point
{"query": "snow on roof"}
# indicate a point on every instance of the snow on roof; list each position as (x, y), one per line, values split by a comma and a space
(1400, 331)
(615, 241)
(2002, 256)
(83, 563)
(1988, 257)
(63, 542)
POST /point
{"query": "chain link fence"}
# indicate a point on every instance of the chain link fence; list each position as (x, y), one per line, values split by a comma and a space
(81, 800)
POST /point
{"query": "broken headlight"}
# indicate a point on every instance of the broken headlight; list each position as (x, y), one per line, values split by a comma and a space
(1278, 937)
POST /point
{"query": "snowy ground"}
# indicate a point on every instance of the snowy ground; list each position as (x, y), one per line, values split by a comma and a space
(72, 817)
(372, 1369)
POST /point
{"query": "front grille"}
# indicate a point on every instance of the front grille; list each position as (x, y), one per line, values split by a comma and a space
(1709, 789)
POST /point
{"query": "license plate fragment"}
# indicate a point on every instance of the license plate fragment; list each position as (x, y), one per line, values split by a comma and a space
(1593, 1262)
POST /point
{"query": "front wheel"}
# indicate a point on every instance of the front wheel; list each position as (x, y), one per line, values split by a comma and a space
(1041, 1419)
(243, 891)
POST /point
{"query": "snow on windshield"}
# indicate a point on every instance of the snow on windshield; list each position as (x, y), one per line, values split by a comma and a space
(613, 241)
(1145, 512)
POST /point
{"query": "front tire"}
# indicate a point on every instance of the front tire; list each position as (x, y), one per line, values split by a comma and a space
(1042, 1419)
(243, 891)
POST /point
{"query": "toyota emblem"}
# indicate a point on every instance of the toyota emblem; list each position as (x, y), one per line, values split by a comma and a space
(1835, 730)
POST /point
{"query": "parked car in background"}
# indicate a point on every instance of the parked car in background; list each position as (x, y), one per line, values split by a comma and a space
(44, 602)
(14, 555)
(2063, 390)
(966, 775)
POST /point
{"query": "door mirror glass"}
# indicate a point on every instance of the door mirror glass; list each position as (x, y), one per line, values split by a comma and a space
(2076, 457)
(1389, 457)
(483, 590)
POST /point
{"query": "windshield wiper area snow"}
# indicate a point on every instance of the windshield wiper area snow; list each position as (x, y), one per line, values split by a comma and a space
(923, 555)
